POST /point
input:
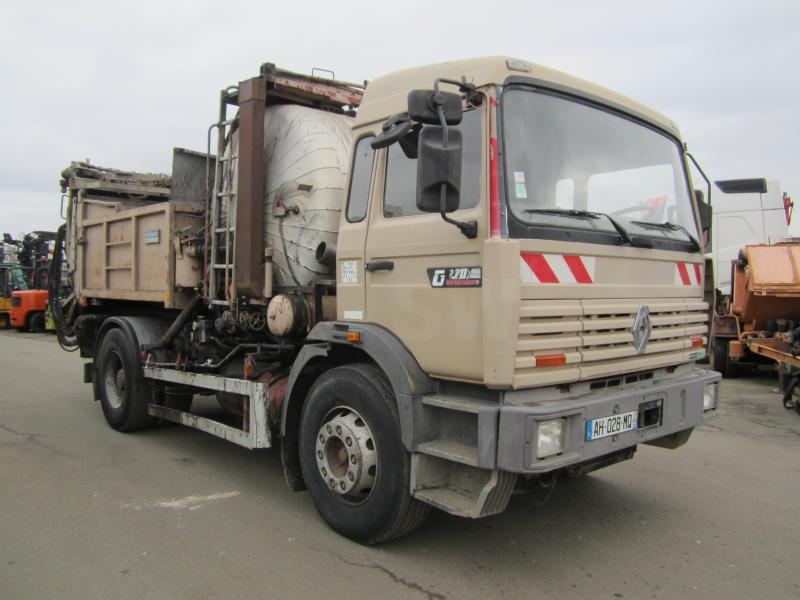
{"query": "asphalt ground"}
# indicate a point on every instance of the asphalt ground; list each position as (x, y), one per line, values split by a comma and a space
(86, 512)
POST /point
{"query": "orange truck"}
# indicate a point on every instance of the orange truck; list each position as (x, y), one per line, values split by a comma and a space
(28, 310)
(759, 321)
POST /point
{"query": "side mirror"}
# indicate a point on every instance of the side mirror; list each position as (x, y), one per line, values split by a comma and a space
(704, 209)
(422, 107)
(706, 214)
(438, 170)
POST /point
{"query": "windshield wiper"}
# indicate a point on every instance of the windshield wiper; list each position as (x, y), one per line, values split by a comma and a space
(567, 212)
(671, 227)
(584, 214)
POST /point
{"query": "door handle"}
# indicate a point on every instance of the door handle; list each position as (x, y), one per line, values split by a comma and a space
(380, 265)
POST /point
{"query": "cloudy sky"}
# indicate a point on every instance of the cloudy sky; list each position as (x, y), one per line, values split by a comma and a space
(123, 82)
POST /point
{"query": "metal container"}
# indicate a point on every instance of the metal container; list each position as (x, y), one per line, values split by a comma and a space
(307, 153)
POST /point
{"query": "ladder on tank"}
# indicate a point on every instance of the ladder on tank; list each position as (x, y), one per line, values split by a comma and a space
(222, 256)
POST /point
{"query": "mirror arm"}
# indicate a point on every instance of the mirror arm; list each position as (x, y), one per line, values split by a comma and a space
(474, 97)
(468, 228)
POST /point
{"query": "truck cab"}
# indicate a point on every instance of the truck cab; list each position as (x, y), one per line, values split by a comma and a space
(577, 307)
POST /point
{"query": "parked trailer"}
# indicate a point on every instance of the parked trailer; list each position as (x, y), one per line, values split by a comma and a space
(429, 293)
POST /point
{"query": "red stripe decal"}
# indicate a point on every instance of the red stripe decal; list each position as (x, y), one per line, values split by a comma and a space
(540, 268)
(578, 269)
(684, 273)
(697, 274)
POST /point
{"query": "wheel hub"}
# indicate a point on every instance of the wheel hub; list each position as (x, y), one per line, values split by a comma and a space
(115, 381)
(346, 454)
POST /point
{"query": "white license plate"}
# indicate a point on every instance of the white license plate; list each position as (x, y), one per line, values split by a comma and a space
(611, 425)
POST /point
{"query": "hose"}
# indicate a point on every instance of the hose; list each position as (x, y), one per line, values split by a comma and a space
(167, 339)
(67, 337)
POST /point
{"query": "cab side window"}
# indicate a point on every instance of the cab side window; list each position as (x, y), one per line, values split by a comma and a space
(400, 193)
(358, 198)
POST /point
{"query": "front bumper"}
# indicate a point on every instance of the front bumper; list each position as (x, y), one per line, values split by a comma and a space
(681, 399)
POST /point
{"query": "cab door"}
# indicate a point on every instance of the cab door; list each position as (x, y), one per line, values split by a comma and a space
(423, 276)
(350, 284)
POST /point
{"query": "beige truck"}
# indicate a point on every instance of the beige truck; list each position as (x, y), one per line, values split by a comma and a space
(432, 291)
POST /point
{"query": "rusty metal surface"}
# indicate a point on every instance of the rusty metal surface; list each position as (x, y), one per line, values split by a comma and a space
(188, 182)
(131, 255)
(774, 269)
(776, 349)
(255, 433)
(767, 287)
(724, 326)
(312, 91)
(249, 239)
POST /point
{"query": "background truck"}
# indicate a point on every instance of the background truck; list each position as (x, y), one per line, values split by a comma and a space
(467, 278)
(759, 321)
(746, 212)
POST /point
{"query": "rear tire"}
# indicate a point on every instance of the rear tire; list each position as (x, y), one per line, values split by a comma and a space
(124, 394)
(353, 459)
(720, 358)
(5, 321)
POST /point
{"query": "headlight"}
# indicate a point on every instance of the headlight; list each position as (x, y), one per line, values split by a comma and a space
(710, 393)
(550, 438)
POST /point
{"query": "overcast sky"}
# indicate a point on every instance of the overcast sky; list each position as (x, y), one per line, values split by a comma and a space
(122, 83)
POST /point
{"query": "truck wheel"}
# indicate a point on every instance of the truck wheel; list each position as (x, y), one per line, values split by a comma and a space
(5, 323)
(36, 322)
(720, 360)
(124, 394)
(353, 459)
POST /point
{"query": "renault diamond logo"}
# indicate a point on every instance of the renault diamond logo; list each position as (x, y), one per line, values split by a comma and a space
(641, 329)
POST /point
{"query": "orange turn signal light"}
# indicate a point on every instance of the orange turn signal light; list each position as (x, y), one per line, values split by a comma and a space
(353, 336)
(549, 360)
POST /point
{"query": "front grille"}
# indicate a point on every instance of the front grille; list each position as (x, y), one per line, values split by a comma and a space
(596, 340)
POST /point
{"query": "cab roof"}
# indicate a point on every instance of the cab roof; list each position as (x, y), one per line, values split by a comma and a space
(387, 95)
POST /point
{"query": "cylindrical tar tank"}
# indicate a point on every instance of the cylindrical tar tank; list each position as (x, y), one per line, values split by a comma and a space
(307, 154)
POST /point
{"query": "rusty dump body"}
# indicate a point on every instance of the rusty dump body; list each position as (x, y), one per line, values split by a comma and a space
(549, 324)
(128, 237)
(760, 319)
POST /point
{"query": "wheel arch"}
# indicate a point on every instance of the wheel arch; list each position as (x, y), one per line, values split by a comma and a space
(329, 347)
(140, 330)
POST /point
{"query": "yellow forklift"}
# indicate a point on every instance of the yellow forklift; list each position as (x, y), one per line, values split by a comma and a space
(11, 280)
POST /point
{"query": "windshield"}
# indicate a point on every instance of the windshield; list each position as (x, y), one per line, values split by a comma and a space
(571, 165)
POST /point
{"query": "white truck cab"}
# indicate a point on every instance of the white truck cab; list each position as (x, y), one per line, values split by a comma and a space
(746, 211)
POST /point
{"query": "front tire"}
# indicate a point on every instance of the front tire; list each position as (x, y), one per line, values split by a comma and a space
(124, 394)
(353, 459)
